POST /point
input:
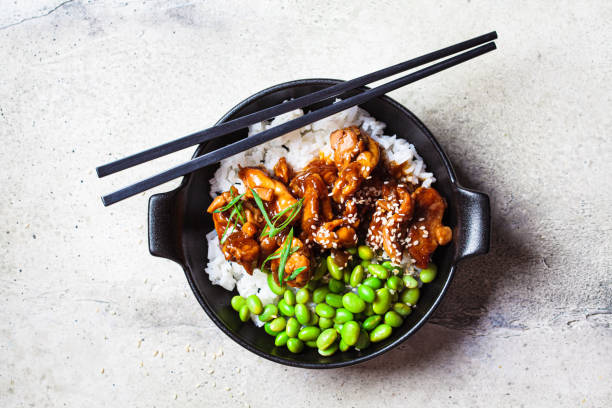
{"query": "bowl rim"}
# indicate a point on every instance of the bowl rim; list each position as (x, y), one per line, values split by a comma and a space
(357, 360)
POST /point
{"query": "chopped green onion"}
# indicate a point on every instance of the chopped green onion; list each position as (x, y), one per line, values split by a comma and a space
(227, 227)
(284, 257)
(230, 204)
(296, 273)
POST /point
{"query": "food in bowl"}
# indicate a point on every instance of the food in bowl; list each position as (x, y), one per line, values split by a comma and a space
(327, 232)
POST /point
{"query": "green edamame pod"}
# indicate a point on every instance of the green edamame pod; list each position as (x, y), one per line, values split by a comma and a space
(353, 303)
(380, 333)
(342, 346)
(269, 330)
(244, 313)
(365, 252)
(254, 304)
(302, 296)
(329, 351)
(428, 274)
(336, 286)
(295, 345)
(382, 303)
(350, 332)
(311, 344)
(373, 282)
(325, 323)
(320, 270)
(269, 312)
(333, 269)
(395, 282)
(237, 302)
(334, 300)
(309, 333)
(363, 342)
(366, 293)
(324, 310)
(402, 309)
(410, 296)
(393, 319)
(326, 338)
(278, 324)
(281, 339)
(293, 327)
(357, 276)
(289, 297)
(286, 309)
(379, 271)
(302, 313)
(343, 316)
(371, 322)
(410, 282)
(318, 296)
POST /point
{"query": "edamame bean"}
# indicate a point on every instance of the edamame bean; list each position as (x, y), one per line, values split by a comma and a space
(275, 287)
(428, 274)
(302, 296)
(326, 338)
(369, 311)
(395, 282)
(389, 265)
(309, 333)
(373, 282)
(402, 309)
(410, 296)
(329, 351)
(314, 319)
(336, 286)
(363, 341)
(371, 322)
(278, 324)
(394, 296)
(318, 296)
(393, 319)
(324, 310)
(357, 276)
(365, 252)
(353, 303)
(365, 264)
(302, 313)
(254, 304)
(333, 300)
(289, 297)
(295, 345)
(346, 276)
(320, 271)
(244, 313)
(343, 316)
(237, 302)
(366, 293)
(378, 270)
(293, 327)
(350, 332)
(380, 333)
(342, 346)
(325, 323)
(382, 303)
(269, 312)
(269, 330)
(338, 327)
(311, 344)
(352, 250)
(285, 309)
(333, 269)
(281, 339)
(410, 282)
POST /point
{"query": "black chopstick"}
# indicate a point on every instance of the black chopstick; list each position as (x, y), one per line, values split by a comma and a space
(301, 102)
(259, 138)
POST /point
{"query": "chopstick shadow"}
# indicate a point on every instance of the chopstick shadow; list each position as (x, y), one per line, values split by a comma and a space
(470, 307)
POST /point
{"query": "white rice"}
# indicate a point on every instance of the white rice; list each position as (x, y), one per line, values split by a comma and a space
(298, 147)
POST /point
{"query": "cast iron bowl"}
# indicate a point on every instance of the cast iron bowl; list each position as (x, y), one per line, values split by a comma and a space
(178, 223)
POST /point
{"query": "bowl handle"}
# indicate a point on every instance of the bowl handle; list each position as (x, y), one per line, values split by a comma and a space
(473, 223)
(165, 224)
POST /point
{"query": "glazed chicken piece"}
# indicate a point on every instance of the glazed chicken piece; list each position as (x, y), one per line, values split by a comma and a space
(238, 243)
(300, 258)
(271, 191)
(310, 185)
(427, 232)
(282, 171)
(388, 228)
(336, 234)
(355, 155)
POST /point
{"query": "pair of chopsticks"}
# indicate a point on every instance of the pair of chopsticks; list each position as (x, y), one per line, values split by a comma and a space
(301, 102)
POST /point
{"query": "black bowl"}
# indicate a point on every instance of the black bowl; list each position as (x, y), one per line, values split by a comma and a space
(178, 223)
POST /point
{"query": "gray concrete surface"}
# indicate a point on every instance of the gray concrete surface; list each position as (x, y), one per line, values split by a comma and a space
(88, 318)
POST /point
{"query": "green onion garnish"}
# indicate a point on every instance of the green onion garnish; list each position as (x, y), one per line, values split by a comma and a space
(230, 204)
(271, 229)
(276, 254)
(229, 225)
(284, 256)
(296, 273)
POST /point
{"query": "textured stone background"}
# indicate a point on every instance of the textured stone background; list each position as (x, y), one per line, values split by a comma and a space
(84, 82)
